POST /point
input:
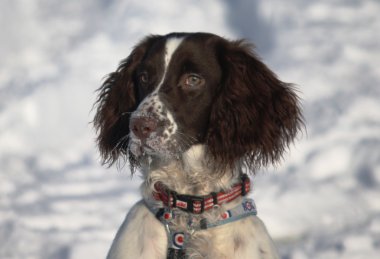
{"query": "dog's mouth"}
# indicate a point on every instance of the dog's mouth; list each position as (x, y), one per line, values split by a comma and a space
(161, 146)
(155, 146)
(137, 149)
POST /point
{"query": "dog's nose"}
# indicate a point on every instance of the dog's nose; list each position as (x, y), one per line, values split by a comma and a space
(143, 127)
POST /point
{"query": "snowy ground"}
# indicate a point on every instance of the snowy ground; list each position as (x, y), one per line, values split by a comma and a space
(56, 201)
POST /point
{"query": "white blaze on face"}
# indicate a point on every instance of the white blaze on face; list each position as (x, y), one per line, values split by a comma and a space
(153, 106)
(170, 47)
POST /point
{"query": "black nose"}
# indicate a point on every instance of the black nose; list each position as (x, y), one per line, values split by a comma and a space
(143, 127)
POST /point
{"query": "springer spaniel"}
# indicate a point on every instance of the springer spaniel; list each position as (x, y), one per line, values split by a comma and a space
(193, 112)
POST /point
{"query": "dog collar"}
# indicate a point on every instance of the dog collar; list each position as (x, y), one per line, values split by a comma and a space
(199, 204)
(196, 205)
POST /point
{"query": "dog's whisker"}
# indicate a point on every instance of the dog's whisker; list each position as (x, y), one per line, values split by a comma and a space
(185, 139)
(120, 142)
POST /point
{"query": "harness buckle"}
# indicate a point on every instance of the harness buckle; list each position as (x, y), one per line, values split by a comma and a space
(196, 205)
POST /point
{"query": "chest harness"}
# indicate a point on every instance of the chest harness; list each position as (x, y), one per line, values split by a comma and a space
(196, 205)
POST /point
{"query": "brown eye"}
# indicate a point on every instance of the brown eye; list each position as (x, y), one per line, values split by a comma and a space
(192, 81)
(143, 78)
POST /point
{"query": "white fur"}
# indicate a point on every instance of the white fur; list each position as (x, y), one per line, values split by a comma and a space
(143, 236)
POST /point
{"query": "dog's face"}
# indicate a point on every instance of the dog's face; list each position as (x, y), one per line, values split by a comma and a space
(176, 82)
(178, 90)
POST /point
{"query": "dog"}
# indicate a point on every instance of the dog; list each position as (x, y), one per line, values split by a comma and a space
(194, 112)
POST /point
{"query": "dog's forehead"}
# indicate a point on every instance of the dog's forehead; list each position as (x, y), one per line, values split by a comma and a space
(181, 52)
(162, 50)
(172, 44)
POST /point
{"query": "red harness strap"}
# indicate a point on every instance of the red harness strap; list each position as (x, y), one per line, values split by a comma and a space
(199, 204)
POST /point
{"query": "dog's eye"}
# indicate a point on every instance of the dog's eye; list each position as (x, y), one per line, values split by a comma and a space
(143, 78)
(192, 81)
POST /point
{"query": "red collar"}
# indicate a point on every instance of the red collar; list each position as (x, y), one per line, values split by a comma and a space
(199, 204)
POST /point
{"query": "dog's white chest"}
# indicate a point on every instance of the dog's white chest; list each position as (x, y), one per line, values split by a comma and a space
(143, 236)
(140, 236)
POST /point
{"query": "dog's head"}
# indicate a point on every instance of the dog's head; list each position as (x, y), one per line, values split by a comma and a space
(182, 89)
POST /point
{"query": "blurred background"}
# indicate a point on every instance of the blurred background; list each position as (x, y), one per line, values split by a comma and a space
(57, 201)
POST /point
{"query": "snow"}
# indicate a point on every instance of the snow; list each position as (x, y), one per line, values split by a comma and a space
(57, 201)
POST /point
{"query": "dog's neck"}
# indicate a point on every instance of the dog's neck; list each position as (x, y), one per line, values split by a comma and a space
(187, 175)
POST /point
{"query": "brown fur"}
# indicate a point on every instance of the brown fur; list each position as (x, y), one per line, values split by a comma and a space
(241, 115)
(254, 118)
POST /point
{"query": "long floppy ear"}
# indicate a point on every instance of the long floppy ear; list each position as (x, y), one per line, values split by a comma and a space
(117, 99)
(255, 116)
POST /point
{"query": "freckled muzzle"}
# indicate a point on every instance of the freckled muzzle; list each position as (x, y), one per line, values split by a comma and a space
(150, 135)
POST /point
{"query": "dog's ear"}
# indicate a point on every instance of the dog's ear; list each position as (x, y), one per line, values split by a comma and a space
(255, 115)
(116, 101)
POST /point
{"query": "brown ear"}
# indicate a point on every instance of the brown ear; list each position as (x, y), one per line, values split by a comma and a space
(256, 116)
(116, 100)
